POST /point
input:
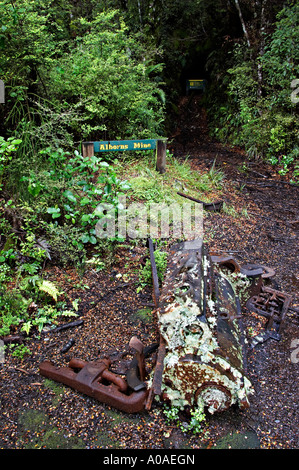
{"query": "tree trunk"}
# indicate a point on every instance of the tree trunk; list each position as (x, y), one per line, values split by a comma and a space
(243, 23)
(262, 47)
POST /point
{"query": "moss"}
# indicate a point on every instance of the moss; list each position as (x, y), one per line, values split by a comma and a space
(144, 314)
(119, 417)
(55, 439)
(32, 420)
(57, 388)
(36, 432)
(105, 439)
(246, 440)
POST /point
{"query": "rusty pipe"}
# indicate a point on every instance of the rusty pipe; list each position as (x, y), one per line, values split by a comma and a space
(86, 381)
(106, 374)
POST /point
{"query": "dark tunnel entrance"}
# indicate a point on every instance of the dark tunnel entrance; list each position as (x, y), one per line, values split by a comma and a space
(194, 70)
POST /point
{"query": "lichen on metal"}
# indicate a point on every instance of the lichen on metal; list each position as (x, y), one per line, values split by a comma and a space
(199, 320)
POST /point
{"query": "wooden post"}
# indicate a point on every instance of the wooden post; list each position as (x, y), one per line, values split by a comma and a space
(161, 156)
(87, 149)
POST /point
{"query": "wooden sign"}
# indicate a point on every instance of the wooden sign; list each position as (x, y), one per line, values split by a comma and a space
(195, 85)
(90, 148)
(123, 145)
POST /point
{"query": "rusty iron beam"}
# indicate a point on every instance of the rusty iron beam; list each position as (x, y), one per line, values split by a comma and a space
(95, 380)
(133, 376)
(156, 387)
(156, 290)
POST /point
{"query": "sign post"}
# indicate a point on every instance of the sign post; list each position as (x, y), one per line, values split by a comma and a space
(161, 156)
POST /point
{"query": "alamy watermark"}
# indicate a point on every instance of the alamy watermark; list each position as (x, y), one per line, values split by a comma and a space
(294, 97)
(2, 355)
(2, 92)
(295, 351)
(155, 220)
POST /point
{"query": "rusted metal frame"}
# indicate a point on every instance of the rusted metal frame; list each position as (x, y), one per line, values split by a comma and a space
(156, 290)
(254, 270)
(136, 344)
(158, 374)
(159, 366)
(136, 373)
(273, 305)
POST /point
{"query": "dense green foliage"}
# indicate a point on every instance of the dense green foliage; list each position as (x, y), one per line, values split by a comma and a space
(259, 113)
(94, 70)
(74, 80)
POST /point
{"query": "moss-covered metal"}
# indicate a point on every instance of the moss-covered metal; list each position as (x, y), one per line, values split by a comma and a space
(199, 320)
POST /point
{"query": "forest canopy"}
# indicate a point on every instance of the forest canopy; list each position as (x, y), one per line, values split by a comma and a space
(114, 69)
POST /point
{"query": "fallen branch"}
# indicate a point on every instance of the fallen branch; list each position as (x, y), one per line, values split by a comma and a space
(212, 206)
(65, 326)
(13, 339)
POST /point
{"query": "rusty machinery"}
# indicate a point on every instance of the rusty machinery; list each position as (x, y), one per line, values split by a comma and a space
(200, 358)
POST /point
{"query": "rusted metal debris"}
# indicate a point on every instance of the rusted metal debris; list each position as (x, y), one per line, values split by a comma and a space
(273, 305)
(201, 355)
(96, 380)
(199, 320)
(155, 389)
(156, 290)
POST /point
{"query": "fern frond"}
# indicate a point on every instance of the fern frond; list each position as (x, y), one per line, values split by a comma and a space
(50, 289)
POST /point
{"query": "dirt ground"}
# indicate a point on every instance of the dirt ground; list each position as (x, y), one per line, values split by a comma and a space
(262, 227)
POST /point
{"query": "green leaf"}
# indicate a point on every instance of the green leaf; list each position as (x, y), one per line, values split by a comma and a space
(34, 189)
(85, 238)
(49, 288)
(27, 327)
(69, 195)
(55, 211)
(85, 201)
(86, 217)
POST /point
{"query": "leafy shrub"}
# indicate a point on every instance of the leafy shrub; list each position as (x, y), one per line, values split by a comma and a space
(145, 275)
(7, 149)
(196, 421)
(259, 114)
(106, 78)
